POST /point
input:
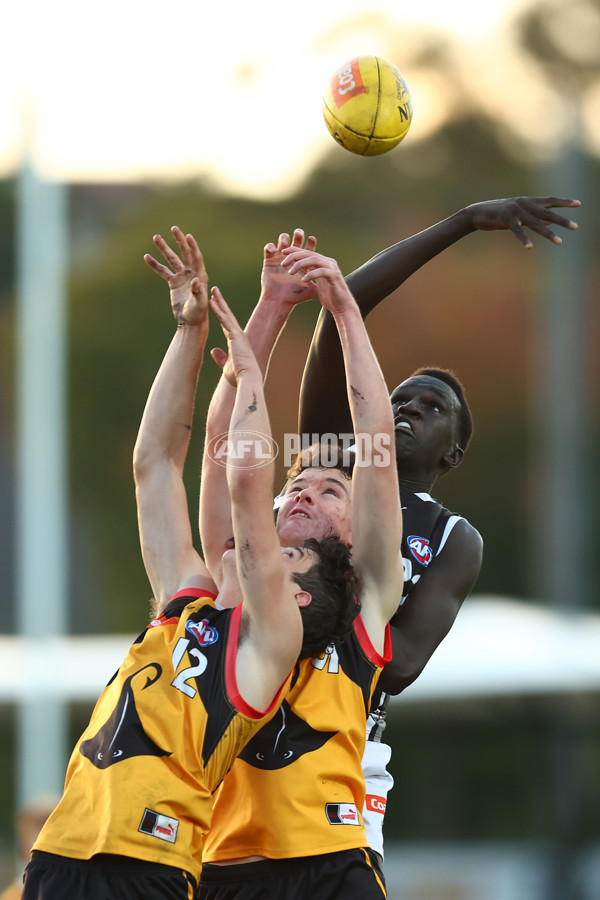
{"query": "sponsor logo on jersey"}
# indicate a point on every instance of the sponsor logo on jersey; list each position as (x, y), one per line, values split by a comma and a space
(420, 549)
(347, 82)
(376, 804)
(162, 827)
(342, 814)
(204, 633)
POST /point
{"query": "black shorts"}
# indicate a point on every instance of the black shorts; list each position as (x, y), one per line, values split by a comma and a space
(104, 877)
(347, 874)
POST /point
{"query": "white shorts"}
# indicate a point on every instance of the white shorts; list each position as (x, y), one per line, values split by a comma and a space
(378, 782)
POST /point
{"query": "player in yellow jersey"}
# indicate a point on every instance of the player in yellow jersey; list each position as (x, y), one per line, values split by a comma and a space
(288, 817)
(200, 679)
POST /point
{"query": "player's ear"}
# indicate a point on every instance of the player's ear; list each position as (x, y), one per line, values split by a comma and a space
(453, 457)
(303, 598)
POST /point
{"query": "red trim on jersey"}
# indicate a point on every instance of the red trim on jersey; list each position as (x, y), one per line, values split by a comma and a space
(365, 642)
(230, 679)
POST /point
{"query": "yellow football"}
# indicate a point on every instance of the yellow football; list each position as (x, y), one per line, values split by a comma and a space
(367, 106)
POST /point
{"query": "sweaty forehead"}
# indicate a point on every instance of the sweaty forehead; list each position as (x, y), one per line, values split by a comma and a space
(426, 384)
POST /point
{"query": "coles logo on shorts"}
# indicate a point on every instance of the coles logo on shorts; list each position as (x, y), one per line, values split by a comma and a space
(420, 549)
(375, 804)
(342, 814)
(204, 633)
(159, 826)
(347, 82)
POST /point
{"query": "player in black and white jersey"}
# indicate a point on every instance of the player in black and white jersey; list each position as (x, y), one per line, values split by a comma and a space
(442, 552)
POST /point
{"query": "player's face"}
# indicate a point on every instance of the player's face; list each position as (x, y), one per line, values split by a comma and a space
(317, 504)
(426, 414)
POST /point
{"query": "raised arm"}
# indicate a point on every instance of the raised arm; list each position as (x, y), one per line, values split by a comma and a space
(376, 513)
(323, 405)
(280, 292)
(169, 556)
(272, 633)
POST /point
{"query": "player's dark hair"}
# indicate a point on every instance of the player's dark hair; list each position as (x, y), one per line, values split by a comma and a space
(323, 456)
(465, 419)
(334, 587)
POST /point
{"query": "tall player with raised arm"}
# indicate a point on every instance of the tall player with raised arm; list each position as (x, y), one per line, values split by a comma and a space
(442, 552)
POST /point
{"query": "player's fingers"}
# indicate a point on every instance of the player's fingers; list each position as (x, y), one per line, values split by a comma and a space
(188, 256)
(222, 360)
(539, 213)
(195, 254)
(555, 219)
(166, 251)
(554, 201)
(181, 240)
(542, 230)
(527, 220)
(217, 303)
(522, 236)
(307, 253)
(298, 237)
(292, 250)
(294, 255)
(318, 272)
(270, 249)
(217, 297)
(306, 260)
(300, 266)
(515, 222)
(219, 315)
(222, 310)
(219, 356)
(284, 241)
(196, 287)
(311, 243)
(158, 267)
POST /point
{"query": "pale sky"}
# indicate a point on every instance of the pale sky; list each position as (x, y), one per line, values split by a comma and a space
(125, 89)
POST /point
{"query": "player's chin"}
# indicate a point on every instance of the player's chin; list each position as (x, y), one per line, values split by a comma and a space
(405, 445)
(294, 531)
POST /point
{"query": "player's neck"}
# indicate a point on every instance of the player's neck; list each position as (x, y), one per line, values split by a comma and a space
(415, 484)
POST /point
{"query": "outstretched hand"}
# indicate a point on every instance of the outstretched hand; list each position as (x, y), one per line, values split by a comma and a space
(517, 213)
(331, 289)
(186, 277)
(277, 284)
(239, 358)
